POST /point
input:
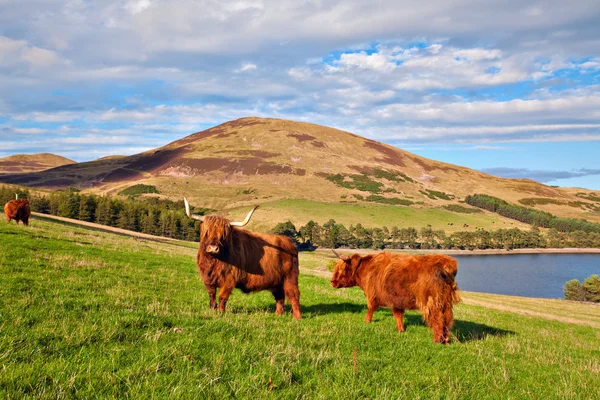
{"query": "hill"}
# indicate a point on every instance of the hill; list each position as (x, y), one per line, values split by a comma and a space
(20, 163)
(89, 314)
(257, 160)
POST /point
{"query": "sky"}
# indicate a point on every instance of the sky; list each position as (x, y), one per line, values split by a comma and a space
(510, 88)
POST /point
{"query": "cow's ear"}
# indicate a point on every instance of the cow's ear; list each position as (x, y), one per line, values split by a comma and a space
(355, 263)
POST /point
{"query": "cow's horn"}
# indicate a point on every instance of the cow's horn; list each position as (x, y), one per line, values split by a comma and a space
(189, 213)
(16, 196)
(341, 257)
(244, 222)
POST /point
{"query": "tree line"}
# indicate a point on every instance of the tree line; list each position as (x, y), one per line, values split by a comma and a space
(531, 216)
(152, 216)
(167, 218)
(334, 235)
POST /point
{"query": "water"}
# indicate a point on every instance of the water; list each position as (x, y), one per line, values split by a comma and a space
(528, 275)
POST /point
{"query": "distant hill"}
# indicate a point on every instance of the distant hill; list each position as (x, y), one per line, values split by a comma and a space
(110, 157)
(20, 163)
(257, 160)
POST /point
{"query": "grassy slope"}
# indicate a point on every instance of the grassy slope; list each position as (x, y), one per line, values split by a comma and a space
(371, 216)
(92, 314)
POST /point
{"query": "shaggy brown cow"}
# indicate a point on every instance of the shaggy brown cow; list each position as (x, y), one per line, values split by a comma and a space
(18, 210)
(404, 282)
(231, 257)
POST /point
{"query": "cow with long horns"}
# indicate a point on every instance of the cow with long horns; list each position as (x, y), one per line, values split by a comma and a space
(17, 209)
(231, 257)
(403, 282)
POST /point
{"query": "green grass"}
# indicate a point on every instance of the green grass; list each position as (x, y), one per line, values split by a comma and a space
(370, 215)
(88, 314)
(463, 210)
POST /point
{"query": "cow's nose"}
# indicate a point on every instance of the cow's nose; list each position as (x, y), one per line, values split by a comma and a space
(210, 249)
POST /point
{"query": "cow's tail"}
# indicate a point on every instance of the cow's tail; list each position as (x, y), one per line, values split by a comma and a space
(295, 263)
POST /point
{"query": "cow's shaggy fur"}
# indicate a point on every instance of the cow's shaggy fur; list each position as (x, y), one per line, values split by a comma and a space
(231, 257)
(19, 210)
(403, 282)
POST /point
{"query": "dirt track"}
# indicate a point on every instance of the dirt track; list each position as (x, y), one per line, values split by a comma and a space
(105, 228)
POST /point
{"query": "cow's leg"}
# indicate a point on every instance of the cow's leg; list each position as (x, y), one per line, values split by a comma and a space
(224, 293)
(290, 287)
(436, 323)
(448, 323)
(372, 306)
(279, 295)
(399, 315)
(212, 294)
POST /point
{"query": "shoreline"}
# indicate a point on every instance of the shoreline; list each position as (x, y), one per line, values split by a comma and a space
(478, 252)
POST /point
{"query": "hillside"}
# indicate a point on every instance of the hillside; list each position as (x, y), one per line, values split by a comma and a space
(89, 314)
(256, 160)
(20, 163)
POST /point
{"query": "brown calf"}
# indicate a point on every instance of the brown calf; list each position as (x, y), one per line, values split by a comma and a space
(404, 282)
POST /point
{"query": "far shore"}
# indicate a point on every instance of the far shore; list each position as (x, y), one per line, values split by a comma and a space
(475, 252)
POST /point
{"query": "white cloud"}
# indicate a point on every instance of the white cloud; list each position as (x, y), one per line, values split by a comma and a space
(14, 53)
(137, 6)
(246, 67)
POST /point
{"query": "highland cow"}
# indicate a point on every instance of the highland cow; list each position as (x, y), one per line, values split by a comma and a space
(19, 210)
(403, 282)
(231, 257)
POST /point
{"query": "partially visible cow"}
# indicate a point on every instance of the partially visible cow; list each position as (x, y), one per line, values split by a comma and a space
(403, 282)
(17, 209)
(231, 257)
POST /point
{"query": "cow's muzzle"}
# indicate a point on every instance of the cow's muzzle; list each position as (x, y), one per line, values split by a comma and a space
(212, 249)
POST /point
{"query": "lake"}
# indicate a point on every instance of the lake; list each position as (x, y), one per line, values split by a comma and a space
(528, 275)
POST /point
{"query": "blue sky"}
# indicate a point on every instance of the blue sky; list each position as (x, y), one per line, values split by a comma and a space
(511, 88)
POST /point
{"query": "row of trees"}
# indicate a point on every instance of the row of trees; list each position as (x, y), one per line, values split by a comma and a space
(531, 216)
(334, 235)
(588, 291)
(151, 216)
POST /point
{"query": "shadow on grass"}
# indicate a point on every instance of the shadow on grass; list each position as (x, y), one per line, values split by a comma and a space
(333, 308)
(308, 311)
(463, 331)
(467, 331)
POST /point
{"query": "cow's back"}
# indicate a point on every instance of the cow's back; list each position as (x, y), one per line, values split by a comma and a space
(278, 260)
(401, 280)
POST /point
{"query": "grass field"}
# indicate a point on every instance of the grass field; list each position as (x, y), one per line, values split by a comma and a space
(370, 216)
(87, 314)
